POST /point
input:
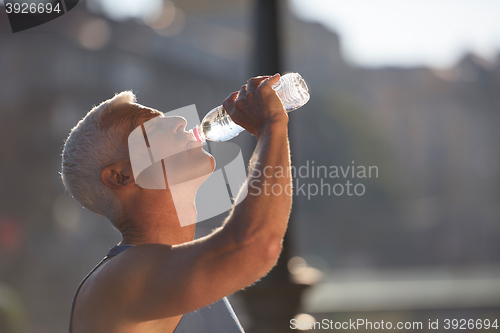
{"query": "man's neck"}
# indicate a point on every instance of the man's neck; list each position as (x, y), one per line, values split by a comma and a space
(160, 223)
(166, 219)
(156, 229)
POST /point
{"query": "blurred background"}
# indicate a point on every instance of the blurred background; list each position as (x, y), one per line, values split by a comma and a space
(412, 87)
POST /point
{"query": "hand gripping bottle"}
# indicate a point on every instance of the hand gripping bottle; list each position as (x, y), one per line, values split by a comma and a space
(218, 126)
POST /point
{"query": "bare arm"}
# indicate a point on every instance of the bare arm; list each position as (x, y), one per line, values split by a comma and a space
(171, 280)
(262, 217)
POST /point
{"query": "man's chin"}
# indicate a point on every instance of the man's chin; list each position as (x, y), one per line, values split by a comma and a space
(212, 160)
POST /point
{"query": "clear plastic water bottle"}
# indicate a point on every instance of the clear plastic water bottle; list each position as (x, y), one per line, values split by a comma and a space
(218, 125)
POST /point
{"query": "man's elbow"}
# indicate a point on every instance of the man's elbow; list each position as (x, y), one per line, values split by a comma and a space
(267, 252)
(273, 250)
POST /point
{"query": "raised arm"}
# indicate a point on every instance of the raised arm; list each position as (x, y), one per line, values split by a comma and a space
(172, 280)
(262, 218)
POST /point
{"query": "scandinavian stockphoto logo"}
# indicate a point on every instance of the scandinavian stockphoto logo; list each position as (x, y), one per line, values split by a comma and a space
(163, 157)
(26, 14)
(311, 180)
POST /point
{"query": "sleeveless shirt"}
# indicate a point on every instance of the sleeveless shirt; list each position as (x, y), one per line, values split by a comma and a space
(214, 318)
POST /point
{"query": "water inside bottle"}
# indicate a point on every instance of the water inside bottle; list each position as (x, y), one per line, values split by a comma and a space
(218, 126)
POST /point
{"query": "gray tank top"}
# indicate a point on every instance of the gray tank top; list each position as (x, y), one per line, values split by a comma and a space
(214, 318)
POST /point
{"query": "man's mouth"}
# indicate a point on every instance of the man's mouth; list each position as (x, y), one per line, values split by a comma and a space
(192, 140)
(197, 134)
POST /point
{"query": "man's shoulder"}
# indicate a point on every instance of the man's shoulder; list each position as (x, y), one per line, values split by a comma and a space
(137, 260)
(122, 278)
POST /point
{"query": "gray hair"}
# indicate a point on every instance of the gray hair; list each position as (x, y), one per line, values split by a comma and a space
(99, 140)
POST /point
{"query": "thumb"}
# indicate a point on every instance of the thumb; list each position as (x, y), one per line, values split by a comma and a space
(228, 103)
(272, 80)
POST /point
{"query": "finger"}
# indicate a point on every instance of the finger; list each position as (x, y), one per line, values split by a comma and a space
(271, 80)
(254, 83)
(243, 92)
(228, 103)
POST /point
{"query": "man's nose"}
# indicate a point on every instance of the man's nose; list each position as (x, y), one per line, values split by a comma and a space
(178, 124)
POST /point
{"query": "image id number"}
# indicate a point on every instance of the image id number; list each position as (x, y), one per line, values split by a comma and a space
(463, 324)
(31, 8)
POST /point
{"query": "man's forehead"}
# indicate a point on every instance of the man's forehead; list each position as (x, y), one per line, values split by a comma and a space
(128, 109)
(128, 114)
(144, 108)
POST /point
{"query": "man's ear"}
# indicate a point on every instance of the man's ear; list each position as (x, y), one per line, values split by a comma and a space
(117, 175)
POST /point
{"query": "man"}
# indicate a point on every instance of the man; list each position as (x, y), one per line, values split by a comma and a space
(165, 281)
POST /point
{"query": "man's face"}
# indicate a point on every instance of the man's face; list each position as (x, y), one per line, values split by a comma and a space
(182, 158)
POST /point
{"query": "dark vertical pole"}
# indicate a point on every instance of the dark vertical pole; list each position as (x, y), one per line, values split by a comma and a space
(267, 61)
(274, 300)
(267, 42)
